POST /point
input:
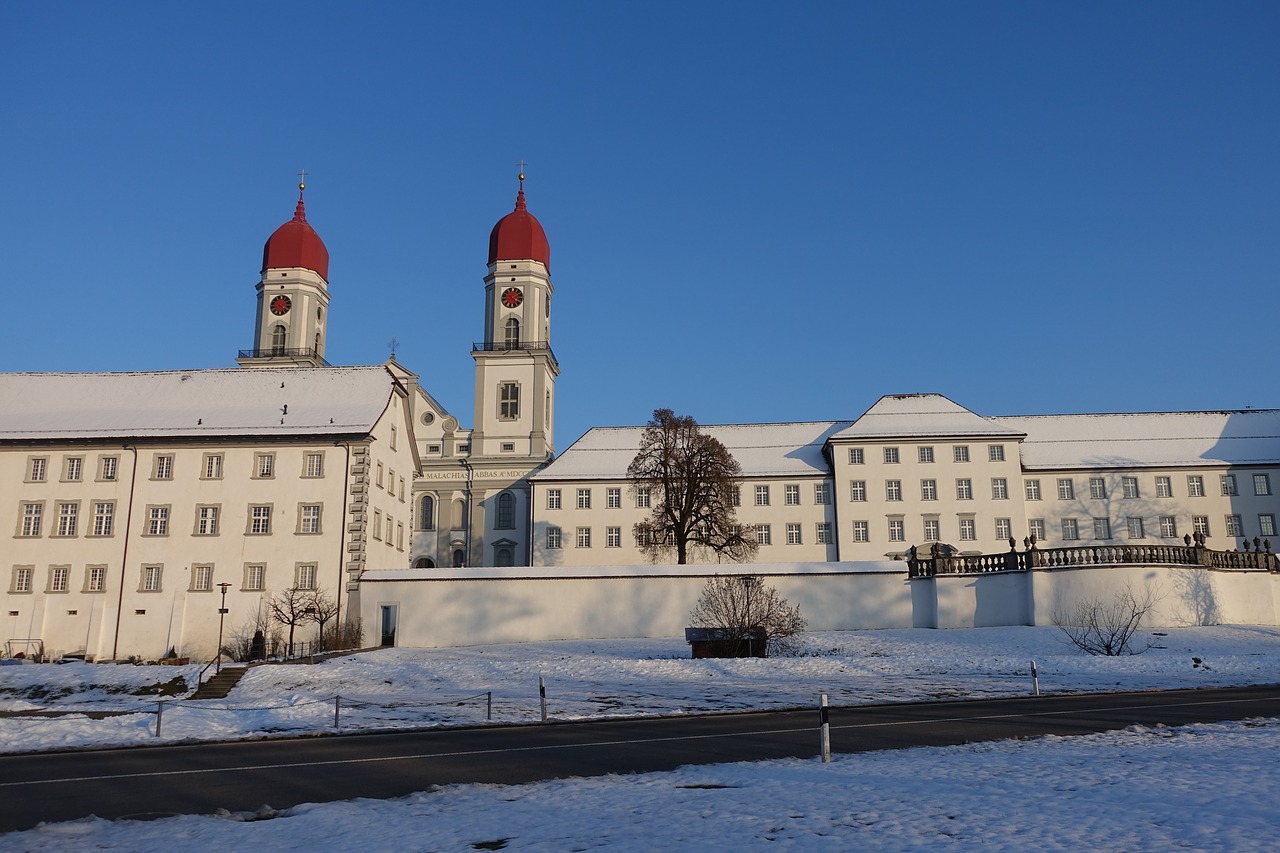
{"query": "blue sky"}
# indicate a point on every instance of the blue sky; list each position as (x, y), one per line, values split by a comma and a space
(757, 212)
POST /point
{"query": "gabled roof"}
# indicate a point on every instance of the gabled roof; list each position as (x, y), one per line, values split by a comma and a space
(921, 416)
(763, 450)
(256, 401)
(1247, 437)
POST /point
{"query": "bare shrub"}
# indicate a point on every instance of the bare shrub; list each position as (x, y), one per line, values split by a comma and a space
(739, 606)
(1107, 627)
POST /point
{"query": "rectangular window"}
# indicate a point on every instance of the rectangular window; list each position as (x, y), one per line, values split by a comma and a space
(1235, 527)
(584, 537)
(856, 456)
(644, 496)
(1004, 528)
(1267, 525)
(73, 470)
(822, 493)
(1035, 527)
(823, 532)
(968, 529)
(553, 538)
(59, 578)
(390, 520)
(613, 498)
(861, 531)
(764, 534)
(151, 577)
(553, 498)
(305, 576)
(108, 467)
(1066, 490)
(1137, 529)
(32, 513)
(509, 401)
(897, 530)
(1195, 486)
(642, 537)
(932, 530)
(964, 490)
(22, 576)
(613, 537)
(762, 495)
(1033, 490)
(995, 453)
(313, 465)
(1097, 488)
(67, 514)
(1129, 487)
(1261, 484)
(207, 520)
(202, 578)
(1102, 528)
(255, 577)
(1168, 526)
(891, 455)
(1229, 485)
(379, 477)
(508, 447)
(163, 469)
(260, 519)
(1164, 487)
(961, 452)
(926, 454)
(928, 490)
(103, 518)
(1200, 524)
(212, 466)
(400, 535)
(893, 490)
(584, 499)
(309, 518)
(38, 469)
(1070, 530)
(857, 490)
(791, 495)
(793, 534)
(735, 495)
(157, 521)
(264, 467)
(95, 579)
(999, 489)
(393, 438)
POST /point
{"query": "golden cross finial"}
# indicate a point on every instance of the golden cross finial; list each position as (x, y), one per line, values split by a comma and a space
(521, 166)
(302, 179)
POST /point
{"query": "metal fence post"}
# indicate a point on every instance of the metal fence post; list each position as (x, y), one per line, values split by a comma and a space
(825, 740)
(159, 716)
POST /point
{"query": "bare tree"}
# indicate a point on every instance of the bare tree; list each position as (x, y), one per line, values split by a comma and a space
(691, 480)
(291, 607)
(321, 609)
(1107, 627)
(741, 608)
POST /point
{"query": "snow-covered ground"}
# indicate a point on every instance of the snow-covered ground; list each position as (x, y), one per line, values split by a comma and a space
(1209, 787)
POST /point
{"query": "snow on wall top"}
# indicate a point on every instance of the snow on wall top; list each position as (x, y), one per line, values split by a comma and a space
(193, 403)
(921, 415)
(1248, 437)
(762, 450)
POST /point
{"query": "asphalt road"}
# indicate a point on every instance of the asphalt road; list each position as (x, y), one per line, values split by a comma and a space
(200, 779)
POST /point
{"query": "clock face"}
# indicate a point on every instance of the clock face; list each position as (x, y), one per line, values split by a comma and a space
(512, 297)
(281, 305)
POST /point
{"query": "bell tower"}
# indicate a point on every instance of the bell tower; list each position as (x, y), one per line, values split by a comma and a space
(293, 297)
(515, 368)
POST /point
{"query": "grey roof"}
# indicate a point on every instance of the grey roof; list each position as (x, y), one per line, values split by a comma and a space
(921, 416)
(763, 450)
(193, 403)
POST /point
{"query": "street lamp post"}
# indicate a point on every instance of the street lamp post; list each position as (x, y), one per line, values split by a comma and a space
(222, 615)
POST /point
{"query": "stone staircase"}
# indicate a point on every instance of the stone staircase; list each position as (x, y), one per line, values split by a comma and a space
(221, 684)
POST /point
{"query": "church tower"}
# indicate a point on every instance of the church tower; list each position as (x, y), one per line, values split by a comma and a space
(515, 368)
(293, 297)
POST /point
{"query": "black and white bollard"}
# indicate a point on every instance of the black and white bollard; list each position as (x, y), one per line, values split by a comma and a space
(825, 739)
(337, 711)
(159, 717)
(488, 714)
(1035, 678)
(542, 694)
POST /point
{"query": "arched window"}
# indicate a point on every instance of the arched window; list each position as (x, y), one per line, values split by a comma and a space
(459, 559)
(459, 514)
(317, 343)
(424, 563)
(512, 338)
(427, 515)
(506, 513)
(503, 557)
(277, 340)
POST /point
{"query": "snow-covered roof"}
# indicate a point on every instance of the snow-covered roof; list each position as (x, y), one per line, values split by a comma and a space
(1248, 437)
(921, 416)
(763, 450)
(643, 570)
(255, 401)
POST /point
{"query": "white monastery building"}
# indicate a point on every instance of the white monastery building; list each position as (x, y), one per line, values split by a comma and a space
(136, 501)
